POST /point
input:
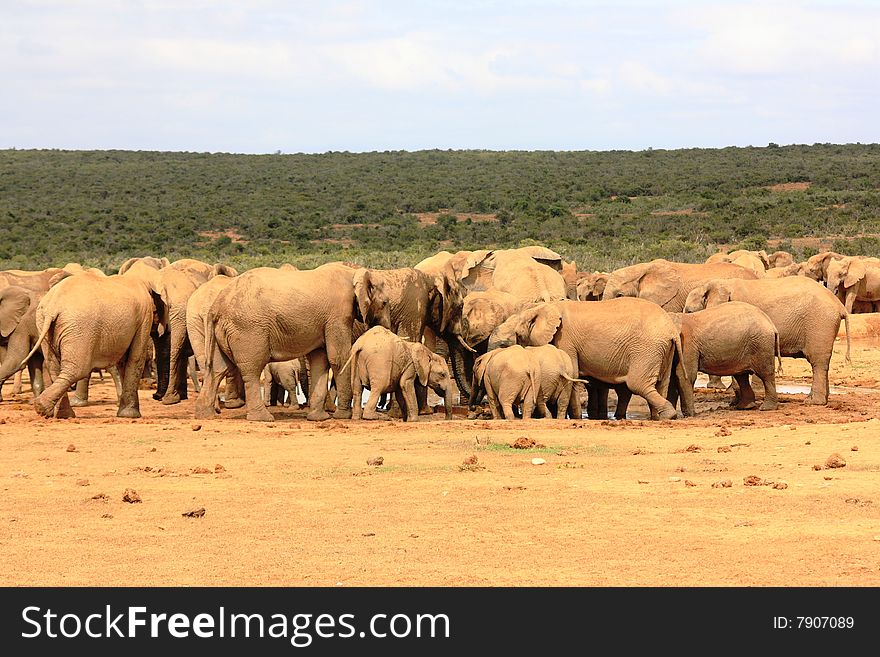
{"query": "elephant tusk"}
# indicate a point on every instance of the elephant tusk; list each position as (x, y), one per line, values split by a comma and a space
(466, 345)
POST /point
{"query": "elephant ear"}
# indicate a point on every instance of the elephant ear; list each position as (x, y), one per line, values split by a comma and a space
(452, 296)
(161, 303)
(222, 269)
(659, 283)
(60, 276)
(14, 303)
(538, 325)
(856, 272)
(474, 268)
(717, 292)
(125, 266)
(421, 358)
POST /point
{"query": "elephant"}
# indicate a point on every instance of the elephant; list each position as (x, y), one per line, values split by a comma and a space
(806, 314)
(269, 315)
(667, 283)
(178, 280)
(35, 281)
(285, 376)
(816, 266)
(619, 341)
(18, 335)
(406, 299)
(855, 278)
(511, 376)
(780, 259)
(592, 286)
(569, 274)
(555, 382)
(384, 362)
(87, 321)
(531, 274)
(197, 307)
(755, 261)
(482, 311)
(732, 339)
(794, 269)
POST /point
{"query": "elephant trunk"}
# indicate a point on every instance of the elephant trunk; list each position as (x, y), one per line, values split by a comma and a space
(462, 367)
(447, 399)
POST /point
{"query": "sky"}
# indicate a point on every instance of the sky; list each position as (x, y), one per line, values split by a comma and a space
(311, 76)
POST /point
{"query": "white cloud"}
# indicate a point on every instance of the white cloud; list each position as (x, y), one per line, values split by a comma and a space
(783, 37)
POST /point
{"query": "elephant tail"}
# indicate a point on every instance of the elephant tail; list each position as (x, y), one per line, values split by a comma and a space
(534, 386)
(210, 340)
(46, 326)
(568, 378)
(778, 354)
(846, 322)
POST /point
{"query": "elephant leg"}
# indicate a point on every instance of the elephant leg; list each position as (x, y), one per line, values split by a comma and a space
(319, 369)
(746, 396)
(16, 383)
(642, 382)
(819, 390)
(256, 409)
(233, 396)
(162, 351)
(128, 371)
(597, 401)
(624, 395)
(422, 398)
(338, 343)
(81, 396)
(357, 391)
(768, 379)
(208, 403)
(715, 383)
(411, 409)
(116, 375)
(494, 405)
(178, 352)
(35, 372)
(194, 373)
(528, 406)
(54, 399)
(370, 412)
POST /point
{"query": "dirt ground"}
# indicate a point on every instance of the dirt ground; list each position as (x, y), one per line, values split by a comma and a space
(620, 503)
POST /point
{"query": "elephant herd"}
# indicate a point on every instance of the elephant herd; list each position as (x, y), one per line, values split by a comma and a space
(521, 326)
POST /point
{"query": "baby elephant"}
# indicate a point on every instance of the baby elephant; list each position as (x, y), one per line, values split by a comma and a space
(384, 362)
(282, 377)
(530, 377)
(555, 381)
(731, 339)
(511, 376)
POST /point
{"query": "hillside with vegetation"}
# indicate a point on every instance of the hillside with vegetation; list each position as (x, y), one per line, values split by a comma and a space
(603, 209)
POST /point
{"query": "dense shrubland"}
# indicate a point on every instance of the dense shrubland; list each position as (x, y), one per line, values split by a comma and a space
(385, 209)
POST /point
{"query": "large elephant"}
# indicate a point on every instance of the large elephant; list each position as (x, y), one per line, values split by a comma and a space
(806, 314)
(269, 315)
(531, 274)
(667, 283)
(89, 321)
(18, 335)
(35, 281)
(780, 259)
(755, 261)
(407, 300)
(197, 307)
(731, 339)
(620, 341)
(179, 280)
(855, 278)
(816, 266)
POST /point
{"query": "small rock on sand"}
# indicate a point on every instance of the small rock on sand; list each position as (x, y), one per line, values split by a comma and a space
(71, 447)
(376, 460)
(752, 480)
(194, 513)
(835, 461)
(726, 483)
(537, 461)
(130, 495)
